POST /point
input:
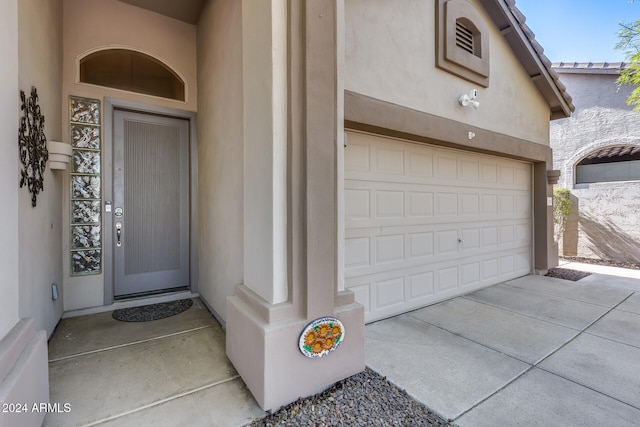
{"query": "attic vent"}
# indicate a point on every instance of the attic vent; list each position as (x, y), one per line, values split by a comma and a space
(464, 38)
(462, 45)
(467, 38)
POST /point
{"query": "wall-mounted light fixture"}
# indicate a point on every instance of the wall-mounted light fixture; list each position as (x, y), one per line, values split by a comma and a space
(59, 155)
(469, 99)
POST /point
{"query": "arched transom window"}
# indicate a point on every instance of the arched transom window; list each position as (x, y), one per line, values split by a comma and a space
(133, 71)
(610, 164)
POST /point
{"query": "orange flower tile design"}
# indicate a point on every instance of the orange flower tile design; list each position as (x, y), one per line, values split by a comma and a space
(321, 337)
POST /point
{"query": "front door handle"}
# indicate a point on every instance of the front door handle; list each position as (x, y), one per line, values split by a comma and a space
(118, 233)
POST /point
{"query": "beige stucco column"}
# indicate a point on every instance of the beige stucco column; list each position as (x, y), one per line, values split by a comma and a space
(263, 323)
(545, 252)
(264, 41)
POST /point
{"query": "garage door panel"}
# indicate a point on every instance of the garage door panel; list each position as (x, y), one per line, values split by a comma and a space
(420, 244)
(354, 225)
(389, 204)
(420, 164)
(523, 234)
(470, 239)
(428, 223)
(470, 273)
(522, 177)
(523, 262)
(382, 296)
(356, 158)
(469, 204)
(389, 160)
(372, 250)
(420, 204)
(359, 275)
(446, 166)
(447, 204)
(507, 234)
(506, 175)
(522, 204)
(469, 170)
(489, 236)
(421, 285)
(507, 264)
(416, 203)
(447, 242)
(406, 179)
(447, 278)
(357, 204)
(389, 248)
(389, 292)
(488, 173)
(490, 269)
(357, 252)
(506, 204)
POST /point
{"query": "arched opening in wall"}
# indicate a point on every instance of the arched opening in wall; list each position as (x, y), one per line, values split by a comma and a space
(609, 164)
(132, 71)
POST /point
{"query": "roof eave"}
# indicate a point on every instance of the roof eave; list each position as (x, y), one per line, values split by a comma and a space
(530, 54)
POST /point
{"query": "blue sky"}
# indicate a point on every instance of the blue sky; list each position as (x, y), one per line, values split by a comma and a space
(579, 30)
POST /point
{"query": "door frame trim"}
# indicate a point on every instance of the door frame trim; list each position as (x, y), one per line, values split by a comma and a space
(109, 105)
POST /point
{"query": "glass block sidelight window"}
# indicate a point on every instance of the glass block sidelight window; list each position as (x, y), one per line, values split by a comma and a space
(86, 191)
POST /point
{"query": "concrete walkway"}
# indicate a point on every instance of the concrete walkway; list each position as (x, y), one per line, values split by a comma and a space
(602, 269)
(532, 351)
(169, 372)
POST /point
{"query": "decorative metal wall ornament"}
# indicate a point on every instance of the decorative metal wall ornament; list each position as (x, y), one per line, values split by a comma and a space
(321, 337)
(32, 145)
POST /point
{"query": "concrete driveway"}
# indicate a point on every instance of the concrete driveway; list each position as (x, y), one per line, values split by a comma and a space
(532, 351)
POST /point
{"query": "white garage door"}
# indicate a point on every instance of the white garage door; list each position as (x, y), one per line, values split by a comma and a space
(424, 223)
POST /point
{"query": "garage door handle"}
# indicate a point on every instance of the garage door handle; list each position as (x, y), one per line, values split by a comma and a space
(460, 240)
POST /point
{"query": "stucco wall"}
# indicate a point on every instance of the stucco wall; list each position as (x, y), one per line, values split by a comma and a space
(220, 151)
(40, 227)
(93, 24)
(390, 55)
(9, 175)
(604, 223)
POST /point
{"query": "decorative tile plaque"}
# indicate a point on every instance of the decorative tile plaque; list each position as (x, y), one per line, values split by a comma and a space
(321, 337)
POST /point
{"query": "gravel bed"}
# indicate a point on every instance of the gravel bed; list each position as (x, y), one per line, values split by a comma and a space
(366, 398)
(567, 274)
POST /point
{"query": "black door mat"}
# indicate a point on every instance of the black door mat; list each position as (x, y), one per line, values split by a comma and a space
(150, 312)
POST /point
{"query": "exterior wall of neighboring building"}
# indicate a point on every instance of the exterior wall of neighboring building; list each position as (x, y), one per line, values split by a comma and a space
(96, 24)
(604, 222)
(390, 56)
(220, 152)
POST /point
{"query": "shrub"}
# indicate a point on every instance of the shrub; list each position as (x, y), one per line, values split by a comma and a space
(561, 209)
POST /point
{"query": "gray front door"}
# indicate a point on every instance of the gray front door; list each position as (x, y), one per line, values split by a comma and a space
(150, 203)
